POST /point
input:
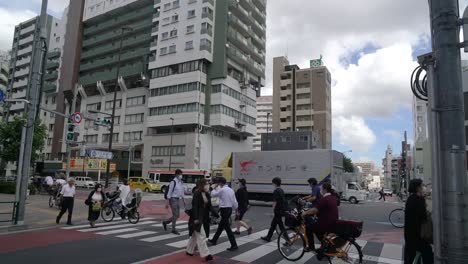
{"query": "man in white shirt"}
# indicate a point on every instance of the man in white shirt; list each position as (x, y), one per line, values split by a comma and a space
(68, 194)
(175, 193)
(124, 190)
(227, 202)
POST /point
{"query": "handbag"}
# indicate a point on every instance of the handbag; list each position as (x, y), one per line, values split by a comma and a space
(96, 207)
(426, 229)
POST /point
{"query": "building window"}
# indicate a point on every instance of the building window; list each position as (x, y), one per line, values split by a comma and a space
(165, 35)
(191, 14)
(49, 141)
(189, 45)
(133, 136)
(162, 151)
(175, 109)
(110, 104)
(94, 107)
(420, 119)
(166, 20)
(175, 18)
(304, 138)
(172, 49)
(116, 120)
(419, 108)
(205, 44)
(206, 28)
(173, 33)
(190, 66)
(51, 127)
(53, 99)
(57, 39)
(180, 88)
(134, 101)
(163, 51)
(222, 109)
(91, 138)
(134, 119)
(207, 13)
(190, 29)
(167, 6)
(176, 4)
(115, 137)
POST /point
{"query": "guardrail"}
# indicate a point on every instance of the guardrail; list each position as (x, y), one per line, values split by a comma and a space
(14, 213)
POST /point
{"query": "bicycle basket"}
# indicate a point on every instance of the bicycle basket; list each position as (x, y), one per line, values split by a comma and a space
(349, 229)
(291, 219)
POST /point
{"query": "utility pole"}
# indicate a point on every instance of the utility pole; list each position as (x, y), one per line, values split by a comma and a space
(39, 50)
(447, 134)
(72, 111)
(170, 150)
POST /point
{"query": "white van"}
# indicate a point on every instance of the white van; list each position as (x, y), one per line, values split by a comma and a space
(84, 182)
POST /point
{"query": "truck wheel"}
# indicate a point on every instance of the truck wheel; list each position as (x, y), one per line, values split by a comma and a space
(353, 200)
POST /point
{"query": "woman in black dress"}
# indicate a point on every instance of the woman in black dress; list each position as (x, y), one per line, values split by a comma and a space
(95, 201)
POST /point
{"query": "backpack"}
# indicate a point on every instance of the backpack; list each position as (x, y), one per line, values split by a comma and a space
(167, 189)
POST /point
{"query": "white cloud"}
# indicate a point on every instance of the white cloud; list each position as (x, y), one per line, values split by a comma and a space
(10, 18)
(353, 132)
(394, 134)
(56, 6)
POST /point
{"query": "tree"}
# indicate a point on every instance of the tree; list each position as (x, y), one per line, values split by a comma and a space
(348, 164)
(10, 139)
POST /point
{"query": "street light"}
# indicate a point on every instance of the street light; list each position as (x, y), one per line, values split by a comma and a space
(111, 130)
(170, 149)
(268, 128)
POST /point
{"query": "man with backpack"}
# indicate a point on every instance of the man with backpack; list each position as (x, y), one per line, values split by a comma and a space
(173, 194)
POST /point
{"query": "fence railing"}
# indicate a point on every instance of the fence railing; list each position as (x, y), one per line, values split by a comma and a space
(13, 213)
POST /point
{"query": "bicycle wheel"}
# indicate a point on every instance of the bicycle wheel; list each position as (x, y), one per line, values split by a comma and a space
(354, 251)
(133, 216)
(51, 202)
(397, 218)
(291, 244)
(107, 214)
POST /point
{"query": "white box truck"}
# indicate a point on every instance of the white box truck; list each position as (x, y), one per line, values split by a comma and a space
(348, 188)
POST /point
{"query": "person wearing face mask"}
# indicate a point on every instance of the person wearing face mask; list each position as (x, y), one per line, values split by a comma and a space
(175, 194)
(415, 216)
(279, 207)
(199, 221)
(68, 197)
(94, 202)
(326, 210)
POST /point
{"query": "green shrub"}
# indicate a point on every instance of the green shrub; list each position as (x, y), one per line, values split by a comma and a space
(7, 187)
(32, 189)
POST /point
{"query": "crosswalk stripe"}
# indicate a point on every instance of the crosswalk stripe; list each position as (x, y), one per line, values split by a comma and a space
(391, 251)
(178, 224)
(123, 230)
(183, 243)
(167, 236)
(142, 233)
(240, 241)
(307, 256)
(256, 253)
(116, 222)
(115, 226)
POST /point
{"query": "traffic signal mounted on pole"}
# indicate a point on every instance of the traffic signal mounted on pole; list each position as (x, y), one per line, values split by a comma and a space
(71, 132)
(102, 122)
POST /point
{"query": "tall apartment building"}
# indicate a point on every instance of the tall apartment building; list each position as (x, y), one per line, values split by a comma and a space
(4, 75)
(264, 111)
(302, 99)
(208, 68)
(387, 167)
(24, 39)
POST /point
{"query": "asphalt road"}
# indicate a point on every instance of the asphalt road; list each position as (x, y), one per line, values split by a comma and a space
(147, 242)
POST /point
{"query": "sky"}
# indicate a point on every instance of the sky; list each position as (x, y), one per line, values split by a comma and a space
(369, 46)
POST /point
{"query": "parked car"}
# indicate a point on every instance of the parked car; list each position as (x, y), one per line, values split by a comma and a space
(144, 184)
(84, 182)
(388, 192)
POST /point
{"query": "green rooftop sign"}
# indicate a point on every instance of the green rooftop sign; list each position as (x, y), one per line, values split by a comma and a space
(316, 63)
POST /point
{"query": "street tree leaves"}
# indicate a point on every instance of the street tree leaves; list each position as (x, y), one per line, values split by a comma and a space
(10, 139)
(348, 164)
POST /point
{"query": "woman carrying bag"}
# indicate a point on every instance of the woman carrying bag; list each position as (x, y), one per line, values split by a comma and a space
(94, 202)
(199, 221)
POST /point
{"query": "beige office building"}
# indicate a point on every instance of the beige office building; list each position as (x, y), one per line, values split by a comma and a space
(302, 99)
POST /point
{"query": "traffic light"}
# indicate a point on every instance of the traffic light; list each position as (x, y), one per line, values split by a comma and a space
(106, 122)
(70, 132)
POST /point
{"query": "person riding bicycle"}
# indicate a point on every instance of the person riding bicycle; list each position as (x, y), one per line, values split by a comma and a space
(315, 194)
(123, 190)
(326, 210)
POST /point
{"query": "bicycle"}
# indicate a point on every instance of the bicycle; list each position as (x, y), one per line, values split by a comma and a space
(54, 196)
(397, 217)
(339, 244)
(115, 205)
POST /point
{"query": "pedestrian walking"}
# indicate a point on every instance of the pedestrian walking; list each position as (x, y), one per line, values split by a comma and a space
(200, 221)
(382, 194)
(415, 217)
(95, 201)
(227, 202)
(68, 195)
(279, 206)
(175, 193)
(242, 197)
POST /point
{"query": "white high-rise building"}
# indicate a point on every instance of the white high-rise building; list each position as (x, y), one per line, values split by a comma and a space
(264, 119)
(387, 167)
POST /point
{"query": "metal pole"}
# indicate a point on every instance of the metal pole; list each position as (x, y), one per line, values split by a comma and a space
(268, 129)
(211, 156)
(129, 155)
(33, 97)
(111, 130)
(72, 110)
(170, 149)
(447, 128)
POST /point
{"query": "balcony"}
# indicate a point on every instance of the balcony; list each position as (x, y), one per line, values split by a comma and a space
(23, 61)
(285, 114)
(285, 103)
(130, 70)
(308, 123)
(28, 29)
(25, 51)
(285, 125)
(207, 31)
(303, 101)
(51, 76)
(284, 93)
(20, 83)
(239, 25)
(157, 2)
(209, 1)
(17, 106)
(260, 42)
(238, 10)
(237, 56)
(304, 112)
(19, 94)
(303, 90)
(52, 65)
(207, 15)
(53, 54)
(26, 40)
(22, 72)
(109, 48)
(156, 16)
(113, 60)
(239, 40)
(49, 87)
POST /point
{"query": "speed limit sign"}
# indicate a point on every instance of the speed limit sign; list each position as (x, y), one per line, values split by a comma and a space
(77, 117)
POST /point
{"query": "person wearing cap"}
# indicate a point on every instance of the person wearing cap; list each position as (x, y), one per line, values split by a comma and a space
(68, 196)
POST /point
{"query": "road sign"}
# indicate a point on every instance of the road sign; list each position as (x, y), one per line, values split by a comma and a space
(99, 154)
(77, 117)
